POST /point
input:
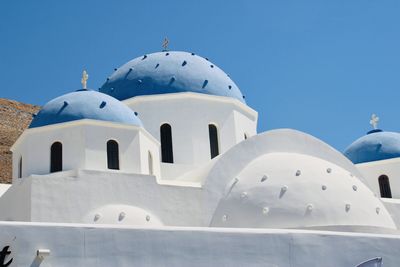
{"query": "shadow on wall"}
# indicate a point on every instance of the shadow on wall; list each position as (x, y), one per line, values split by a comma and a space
(36, 262)
(376, 262)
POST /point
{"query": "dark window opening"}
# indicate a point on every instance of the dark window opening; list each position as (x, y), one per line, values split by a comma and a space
(150, 162)
(20, 168)
(167, 154)
(112, 155)
(245, 136)
(56, 157)
(214, 147)
(384, 186)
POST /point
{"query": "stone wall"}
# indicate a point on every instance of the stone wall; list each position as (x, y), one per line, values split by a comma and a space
(15, 117)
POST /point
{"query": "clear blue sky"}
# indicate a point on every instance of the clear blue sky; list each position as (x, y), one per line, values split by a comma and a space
(322, 67)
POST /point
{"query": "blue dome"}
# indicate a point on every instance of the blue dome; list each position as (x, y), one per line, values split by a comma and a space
(376, 145)
(169, 72)
(84, 104)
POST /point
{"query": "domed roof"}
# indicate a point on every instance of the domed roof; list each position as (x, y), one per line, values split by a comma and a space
(84, 104)
(288, 179)
(291, 190)
(169, 72)
(376, 145)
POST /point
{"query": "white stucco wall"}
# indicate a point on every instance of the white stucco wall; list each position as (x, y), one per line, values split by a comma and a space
(83, 245)
(71, 195)
(390, 167)
(189, 115)
(149, 145)
(34, 147)
(230, 165)
(85, 147)
(321, 194)
(4, 188)
(393, 207)
(15, 203)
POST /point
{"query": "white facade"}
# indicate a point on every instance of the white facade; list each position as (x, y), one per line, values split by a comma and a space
(280, 198)
(389, 167)
(84, 146)
(189, 115)
(278, 179)
(303, 194)
(115, 245)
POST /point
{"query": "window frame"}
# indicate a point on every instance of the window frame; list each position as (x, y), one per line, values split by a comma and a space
(113, 158)
(20, 167)
(384, 186)
(213, 138)
(167, 144)
(56, 157)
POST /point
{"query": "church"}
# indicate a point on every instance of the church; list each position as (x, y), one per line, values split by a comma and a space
(163, 166)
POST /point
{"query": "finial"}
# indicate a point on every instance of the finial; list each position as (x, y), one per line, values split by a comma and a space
(374, 121)
(165, 44)
(84, 79)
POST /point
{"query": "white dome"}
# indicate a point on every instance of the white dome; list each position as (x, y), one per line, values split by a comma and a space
(292, 190)
(122, 214)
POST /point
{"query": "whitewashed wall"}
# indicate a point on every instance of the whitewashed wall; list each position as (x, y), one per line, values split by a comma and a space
(393, 207)
(189, 115)
(16, 203)
(34, 147)
(83, 245)
(85, 147)
(69, 197)
(149, 145)
(390, 167)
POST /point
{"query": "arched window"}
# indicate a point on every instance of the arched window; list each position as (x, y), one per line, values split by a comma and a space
(20, 167)
(213, 133)
(56, 164)
(112, 155)
(167, 154)
(150, 162)
(384, 186)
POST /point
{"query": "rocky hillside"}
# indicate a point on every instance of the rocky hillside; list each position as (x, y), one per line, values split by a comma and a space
(14, 118)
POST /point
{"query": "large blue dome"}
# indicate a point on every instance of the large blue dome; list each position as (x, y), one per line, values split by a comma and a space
(169, 72)
(84, 104)
(376, 145)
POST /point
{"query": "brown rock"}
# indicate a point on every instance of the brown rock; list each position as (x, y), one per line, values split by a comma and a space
(15, 117)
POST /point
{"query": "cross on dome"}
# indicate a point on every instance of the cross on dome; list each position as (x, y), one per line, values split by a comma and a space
(165, 44)
(374, 121)
(84, 79)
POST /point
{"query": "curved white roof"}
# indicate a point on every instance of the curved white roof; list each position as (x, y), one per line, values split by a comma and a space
(291, 190)
(327, 190)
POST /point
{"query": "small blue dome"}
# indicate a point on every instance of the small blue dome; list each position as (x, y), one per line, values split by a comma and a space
(169, 72)
(84, 104)
(376, 145)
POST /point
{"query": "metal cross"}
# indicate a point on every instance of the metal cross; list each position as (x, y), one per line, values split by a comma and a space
(165, 44)
(84, 79)
(374, 121)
